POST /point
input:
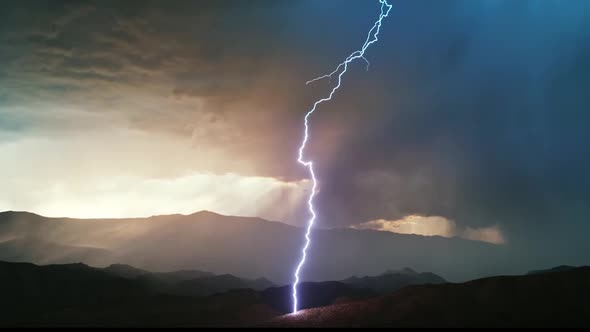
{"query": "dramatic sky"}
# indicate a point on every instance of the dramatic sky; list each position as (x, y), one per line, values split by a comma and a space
(471, 121)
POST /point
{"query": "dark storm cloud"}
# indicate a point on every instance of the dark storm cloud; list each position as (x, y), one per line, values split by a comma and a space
(194, 42)
(486, 124)
(471, 110)
(149, 66)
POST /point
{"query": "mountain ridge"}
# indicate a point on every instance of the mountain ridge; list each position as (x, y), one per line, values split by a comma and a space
(557, 299)
(81, 295)
(251, 247)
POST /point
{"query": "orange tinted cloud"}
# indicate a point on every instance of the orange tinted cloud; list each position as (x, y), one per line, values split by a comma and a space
(434, 226)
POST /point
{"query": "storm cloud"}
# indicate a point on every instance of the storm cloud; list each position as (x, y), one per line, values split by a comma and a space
(475, 111)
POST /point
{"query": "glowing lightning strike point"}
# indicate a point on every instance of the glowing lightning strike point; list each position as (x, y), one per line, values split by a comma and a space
(372, 37)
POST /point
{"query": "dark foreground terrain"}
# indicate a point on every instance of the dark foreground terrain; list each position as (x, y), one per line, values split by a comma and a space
(120, 295)
(559, 297)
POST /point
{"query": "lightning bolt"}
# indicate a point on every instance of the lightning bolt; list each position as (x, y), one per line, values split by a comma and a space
(372, 37)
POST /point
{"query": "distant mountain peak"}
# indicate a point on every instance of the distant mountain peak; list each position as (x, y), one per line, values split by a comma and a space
(14, 213)
(405, 270)
(76, 266)
(206, 213)
(198, 240)
(560, 268)
(124, 270)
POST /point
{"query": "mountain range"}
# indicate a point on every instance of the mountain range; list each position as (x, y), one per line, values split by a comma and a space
(552, 298)
(118, 296)
(247, 247)
(207, 269)
(122, 295)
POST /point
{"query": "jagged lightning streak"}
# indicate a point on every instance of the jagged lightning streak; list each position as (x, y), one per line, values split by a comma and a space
(372, 37)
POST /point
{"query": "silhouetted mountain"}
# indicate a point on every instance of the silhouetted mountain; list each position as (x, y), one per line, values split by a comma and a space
(125, 271)
(317, 294)
(561, 268)
(79, 295)
(29, 249)
(70, 294)
(217, 284)
(187, 283)
(252, 247)
(130, 272)
(30, 292)
(393, 280)
(182, 275)
(405, 270)
(538, 300)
